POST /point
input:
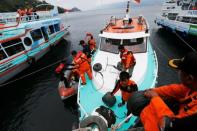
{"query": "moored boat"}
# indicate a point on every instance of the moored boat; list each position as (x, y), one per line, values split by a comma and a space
(179, 16)
(133, 33)
(25, 39)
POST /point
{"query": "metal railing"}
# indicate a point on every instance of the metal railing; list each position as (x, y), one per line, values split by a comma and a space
(10, 18)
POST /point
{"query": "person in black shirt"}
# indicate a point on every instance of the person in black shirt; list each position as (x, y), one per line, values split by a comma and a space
(86, 50)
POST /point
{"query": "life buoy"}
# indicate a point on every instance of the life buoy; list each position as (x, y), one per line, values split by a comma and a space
(66, 92)
(60, 68)
(94, 121)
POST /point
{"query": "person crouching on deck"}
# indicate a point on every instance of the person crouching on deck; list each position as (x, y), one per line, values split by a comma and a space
(126, 86)
(127, 60)
(82, 66)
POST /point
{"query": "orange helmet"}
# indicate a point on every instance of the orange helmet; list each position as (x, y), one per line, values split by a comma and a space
(88, 34)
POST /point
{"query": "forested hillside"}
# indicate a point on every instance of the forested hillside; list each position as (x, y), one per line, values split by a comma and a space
(13, 5)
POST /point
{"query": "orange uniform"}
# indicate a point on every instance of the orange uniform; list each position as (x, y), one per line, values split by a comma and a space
(152, 115)
(127, 59)
(126, 92)
(92, 44)
(82, 65)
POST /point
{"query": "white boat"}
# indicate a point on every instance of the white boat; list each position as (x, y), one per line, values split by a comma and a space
(25, 39)
(179, 16)
(134, 34)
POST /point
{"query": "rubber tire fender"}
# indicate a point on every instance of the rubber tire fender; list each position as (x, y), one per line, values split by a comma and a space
(97, 67)
(94, 120)
(31, 60)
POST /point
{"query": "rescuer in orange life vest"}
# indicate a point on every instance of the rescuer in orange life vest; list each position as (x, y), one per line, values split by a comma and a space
(82, 66)
(126, 86)
(127, 59)
(154, 114)
(91, 42)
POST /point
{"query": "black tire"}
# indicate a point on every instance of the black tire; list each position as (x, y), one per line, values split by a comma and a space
(97, 67)
(94, 120)
(137, 102)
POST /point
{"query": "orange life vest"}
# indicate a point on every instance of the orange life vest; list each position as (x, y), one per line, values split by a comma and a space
(81, 61)
(126, 92)
(127, 58)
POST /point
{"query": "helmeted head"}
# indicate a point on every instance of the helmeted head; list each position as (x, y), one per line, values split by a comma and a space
(187, 67)
(124, 78)
(121, 48)
(74, 53)
(82, 42)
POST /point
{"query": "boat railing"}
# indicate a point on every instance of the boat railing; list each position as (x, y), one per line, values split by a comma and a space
(78, 101)
(11, 18)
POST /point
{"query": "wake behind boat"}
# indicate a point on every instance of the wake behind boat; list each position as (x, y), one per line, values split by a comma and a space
(25, 39)
(133, 33)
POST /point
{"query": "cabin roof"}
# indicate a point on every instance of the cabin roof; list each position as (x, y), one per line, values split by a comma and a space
(118, 30)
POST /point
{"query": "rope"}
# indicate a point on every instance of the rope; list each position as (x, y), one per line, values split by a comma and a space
(184, 41)
(102, 82)
(39, 70)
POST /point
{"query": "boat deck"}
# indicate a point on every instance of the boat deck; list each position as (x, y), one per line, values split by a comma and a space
(89, 97)
(119, 27)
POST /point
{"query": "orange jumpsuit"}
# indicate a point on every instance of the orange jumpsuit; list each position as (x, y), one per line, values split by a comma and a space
(126, 92)
(127, 59)
(92, 44)
(82, 65)
(151, 116)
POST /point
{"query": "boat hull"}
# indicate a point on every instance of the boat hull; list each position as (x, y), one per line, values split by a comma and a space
(185, 29)
(22, 61)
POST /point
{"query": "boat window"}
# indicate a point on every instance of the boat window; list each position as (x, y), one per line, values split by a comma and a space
(110, 45)
(36, 34)
(172, 16)
(51, 29)
(13, 47)
(194, 20)
(135, 45)
(27, 41)
(2, 55)
(57, 27)
(11, 42)
(186, 19)
(185, 6)
(179, 18)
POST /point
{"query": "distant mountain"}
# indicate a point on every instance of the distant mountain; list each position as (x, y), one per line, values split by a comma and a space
(13, 5)
(74, 9)
(123, 4)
